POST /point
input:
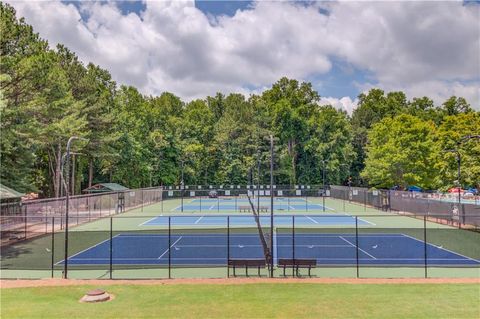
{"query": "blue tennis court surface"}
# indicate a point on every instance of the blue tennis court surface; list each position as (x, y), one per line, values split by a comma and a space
(234, 203)
(202, 249)
(249, 220)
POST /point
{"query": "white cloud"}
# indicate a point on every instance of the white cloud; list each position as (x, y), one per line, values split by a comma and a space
(423, 48)
(344, 104)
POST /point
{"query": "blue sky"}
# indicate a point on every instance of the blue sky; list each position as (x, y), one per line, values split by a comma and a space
(195, 49)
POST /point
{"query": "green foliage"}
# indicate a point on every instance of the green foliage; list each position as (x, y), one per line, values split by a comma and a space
(400, 152)
(448, 135)
(48, 95)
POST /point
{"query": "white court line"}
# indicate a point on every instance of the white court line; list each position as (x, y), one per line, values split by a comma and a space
(364, 220)
(196, 222)
(313, 220)
(211, 207)
(440, 248)
(166, 251)
(358, 247)
(104, 241)
(146, 222)
(291, 207)
(175, 208)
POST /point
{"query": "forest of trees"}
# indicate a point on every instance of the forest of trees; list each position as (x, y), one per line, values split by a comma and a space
(48, 95)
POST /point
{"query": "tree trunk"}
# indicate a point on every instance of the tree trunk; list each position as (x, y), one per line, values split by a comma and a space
(293, 154)
(57, 178)
(90, 172)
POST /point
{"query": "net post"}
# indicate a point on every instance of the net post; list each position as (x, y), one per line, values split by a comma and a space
(111, 248)
(228, 245)
(425, 245)
(356, 245)
(169, 244)
(293, 245)
(53, 247)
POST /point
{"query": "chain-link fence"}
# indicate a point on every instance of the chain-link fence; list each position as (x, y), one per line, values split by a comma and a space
(32, 217)
(383, 245)
(442, 208)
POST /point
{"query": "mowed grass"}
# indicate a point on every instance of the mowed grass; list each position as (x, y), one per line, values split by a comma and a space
(301, 300)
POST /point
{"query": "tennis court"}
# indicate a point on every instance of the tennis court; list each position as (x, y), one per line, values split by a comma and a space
(235, 203)
(249, 220)
(210, 249)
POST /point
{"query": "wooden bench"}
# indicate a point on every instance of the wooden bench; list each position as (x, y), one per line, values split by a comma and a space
(244, 208)
(264, 209)
(297, 264)
(246, 263)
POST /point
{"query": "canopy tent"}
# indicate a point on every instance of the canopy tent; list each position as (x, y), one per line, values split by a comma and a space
(414, 188)
(105, 187)
(7, 194)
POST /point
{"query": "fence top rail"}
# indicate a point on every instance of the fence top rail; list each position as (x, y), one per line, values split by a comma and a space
(57, 199)
(237, 215)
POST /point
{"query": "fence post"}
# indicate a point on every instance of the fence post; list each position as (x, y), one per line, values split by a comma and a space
(111, 247)
(365, 192)
(356, 245)
(425, 244)
(306, 201)
(293, 244)
(228, 245)
(53, 246)
(161, 201)
(324, 193)
(169, 244)
(142, 199)
(25, 212)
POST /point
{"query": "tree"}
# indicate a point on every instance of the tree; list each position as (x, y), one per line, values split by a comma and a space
(400, 151)
(448, 137)
(455, 105)
(291, 105)
(372, 108)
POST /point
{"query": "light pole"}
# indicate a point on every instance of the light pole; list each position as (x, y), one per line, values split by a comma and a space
(182, 185)
(66, 183)
(258, 181)
(271, 206)
(459, 162)
(324, 162)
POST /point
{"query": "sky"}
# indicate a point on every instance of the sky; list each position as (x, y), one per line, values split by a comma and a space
(197, 48)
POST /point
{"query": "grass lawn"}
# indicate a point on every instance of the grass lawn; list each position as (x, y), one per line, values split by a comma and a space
(249, 301)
